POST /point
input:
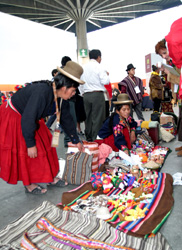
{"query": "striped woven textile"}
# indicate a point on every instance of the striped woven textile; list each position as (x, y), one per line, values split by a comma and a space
(158, 209)
(77, 168)
(130, 88)
(94, 149)
(58, 235)
(78, 225)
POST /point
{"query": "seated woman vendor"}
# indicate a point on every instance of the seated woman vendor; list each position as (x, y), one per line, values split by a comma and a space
(118, 130)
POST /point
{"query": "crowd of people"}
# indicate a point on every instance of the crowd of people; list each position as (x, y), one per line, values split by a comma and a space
(75, 95)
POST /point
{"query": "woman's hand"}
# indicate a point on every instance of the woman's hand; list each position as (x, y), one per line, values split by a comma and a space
(126, 152)
(132, 137)
(32, 152)
(80, 147)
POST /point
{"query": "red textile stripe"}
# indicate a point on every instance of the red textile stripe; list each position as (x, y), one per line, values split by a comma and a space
(155, 203)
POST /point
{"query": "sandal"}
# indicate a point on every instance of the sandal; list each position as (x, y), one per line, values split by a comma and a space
(59, 183)
(81, 133)
(35, 191)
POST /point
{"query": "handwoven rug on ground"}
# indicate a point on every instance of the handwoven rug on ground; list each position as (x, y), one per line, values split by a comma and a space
(158, 209)
(77, 224)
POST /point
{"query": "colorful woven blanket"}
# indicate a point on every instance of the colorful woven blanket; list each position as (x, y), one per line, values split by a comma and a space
(156, 211)
(76, 224)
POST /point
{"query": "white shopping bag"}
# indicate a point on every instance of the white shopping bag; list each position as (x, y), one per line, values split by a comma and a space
(61, 167)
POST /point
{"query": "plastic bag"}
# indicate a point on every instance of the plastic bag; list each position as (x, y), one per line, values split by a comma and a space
(177, 178)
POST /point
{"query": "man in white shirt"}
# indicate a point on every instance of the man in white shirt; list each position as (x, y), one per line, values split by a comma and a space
(95, 78)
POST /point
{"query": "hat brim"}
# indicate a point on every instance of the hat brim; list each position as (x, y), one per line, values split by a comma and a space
(123, 102)
(62, 71)
(129, 69)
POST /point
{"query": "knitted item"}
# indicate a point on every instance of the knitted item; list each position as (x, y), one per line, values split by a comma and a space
(145, 124)
(96, 180)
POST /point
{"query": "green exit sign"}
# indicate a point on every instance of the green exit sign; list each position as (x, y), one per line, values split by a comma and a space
(83, 52)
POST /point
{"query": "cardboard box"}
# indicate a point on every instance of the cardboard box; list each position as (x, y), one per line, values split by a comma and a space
(166, 119)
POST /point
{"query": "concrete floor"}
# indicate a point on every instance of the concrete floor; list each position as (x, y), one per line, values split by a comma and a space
(14, 202)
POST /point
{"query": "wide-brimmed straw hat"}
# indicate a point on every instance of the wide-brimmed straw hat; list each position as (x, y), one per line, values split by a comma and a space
(72, 70)
(123, 99)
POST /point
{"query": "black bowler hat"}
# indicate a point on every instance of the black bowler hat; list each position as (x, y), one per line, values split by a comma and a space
(130, 66)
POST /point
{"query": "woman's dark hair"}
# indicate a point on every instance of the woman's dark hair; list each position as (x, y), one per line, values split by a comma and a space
(117, 107)
(154, 68)
(64, 60)
(36, 82)
(54, 71)
(62, 80)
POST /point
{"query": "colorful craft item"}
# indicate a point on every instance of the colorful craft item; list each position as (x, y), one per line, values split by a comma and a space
(3, 99)
(143, 157)
(134, 170)
(146, 196)
(148, 185)
(120, 208)
(96, 180)
(18, 87)
(135, 214)
(106, 183)
(114, 203)
(118, 183)
(45, 225)
(128, 196)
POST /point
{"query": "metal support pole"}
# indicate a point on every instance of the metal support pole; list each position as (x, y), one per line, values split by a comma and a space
(82, 46)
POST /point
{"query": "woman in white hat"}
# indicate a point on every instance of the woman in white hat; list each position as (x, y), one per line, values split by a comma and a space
(25, 143)
(118, 131)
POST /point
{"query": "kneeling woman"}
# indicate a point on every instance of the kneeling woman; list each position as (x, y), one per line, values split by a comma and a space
(118, 131)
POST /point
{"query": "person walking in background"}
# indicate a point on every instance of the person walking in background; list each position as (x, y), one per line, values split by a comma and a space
(133, 86)
(115, 93)
(156, 88)
(80, 112)
(25, 143)
(71, 101)
(166, 104)
(95, 78)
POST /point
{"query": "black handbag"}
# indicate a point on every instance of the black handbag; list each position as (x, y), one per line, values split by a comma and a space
(155, 116)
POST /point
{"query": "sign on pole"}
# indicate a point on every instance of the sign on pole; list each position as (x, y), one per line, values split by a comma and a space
(83, 53)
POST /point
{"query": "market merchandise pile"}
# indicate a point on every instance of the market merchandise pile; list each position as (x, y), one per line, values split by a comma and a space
(127, 191)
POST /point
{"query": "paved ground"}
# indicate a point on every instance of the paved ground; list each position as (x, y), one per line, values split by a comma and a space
(14, 202)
